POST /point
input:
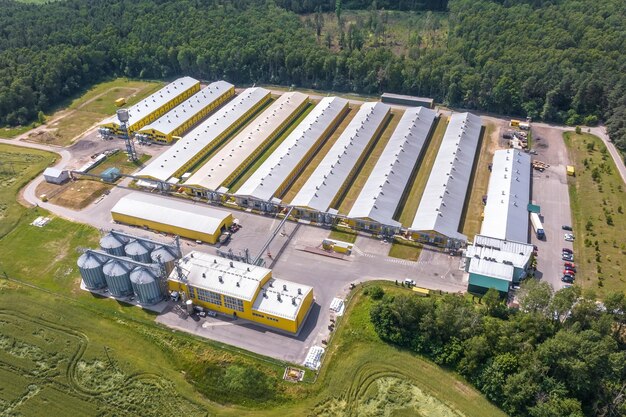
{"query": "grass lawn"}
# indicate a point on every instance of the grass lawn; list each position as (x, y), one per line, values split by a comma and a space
(343, 236)
(407, 212)
(410, 253)
(366, 169)
(264, 155)
(17, 167)
(472, 219)
(297, 184)
(91, 107)
(11, 132)
(120, 160)
(598, 212)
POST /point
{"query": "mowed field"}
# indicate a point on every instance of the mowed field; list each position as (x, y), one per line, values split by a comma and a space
(93, 106)
(598, 203)
(66, 352)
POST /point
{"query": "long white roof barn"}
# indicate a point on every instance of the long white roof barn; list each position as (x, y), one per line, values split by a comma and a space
(189, 108)
(442, 203)
(217, 169)
(174, 160)
(506, 212)
(281, 164)
(328, 178)
(383, 190)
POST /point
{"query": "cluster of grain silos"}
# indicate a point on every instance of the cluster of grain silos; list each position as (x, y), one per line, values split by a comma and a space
(128, 265)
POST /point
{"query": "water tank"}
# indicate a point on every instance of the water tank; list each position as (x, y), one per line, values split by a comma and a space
(138, 251)
(146, 286)
(117, 275)
(113, 244)
(90, 267)
(165, 255)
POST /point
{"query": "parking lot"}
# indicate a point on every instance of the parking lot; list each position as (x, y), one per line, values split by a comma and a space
(550, 191)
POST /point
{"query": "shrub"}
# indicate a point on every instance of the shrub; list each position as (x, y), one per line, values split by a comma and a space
(376, 292)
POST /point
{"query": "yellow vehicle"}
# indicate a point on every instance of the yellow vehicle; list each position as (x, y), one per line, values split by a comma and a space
(571, 171)
(120, 101)
(514, 123)
(421, 291)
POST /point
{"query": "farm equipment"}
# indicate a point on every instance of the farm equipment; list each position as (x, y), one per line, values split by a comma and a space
(540, 166)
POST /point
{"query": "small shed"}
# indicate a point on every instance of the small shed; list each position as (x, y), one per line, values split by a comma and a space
(111, 174)
(571, 171)
(56, 176)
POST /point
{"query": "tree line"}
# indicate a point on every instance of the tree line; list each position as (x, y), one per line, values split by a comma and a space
(560, 61)
(560, 354)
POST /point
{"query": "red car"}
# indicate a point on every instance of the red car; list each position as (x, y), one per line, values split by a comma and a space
(568, 272)
(569, 265)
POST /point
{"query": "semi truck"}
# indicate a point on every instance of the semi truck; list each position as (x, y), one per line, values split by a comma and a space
(537, 226)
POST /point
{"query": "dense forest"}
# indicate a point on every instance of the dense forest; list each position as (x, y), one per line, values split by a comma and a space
(556, 60)
(561, 354)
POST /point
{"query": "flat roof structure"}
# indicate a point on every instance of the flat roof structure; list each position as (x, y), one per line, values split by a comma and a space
(153, 102)
(517, 254)
(385, 186)
(407, 100)
(491, 269)
(176, 159)
(176, 214)
(326, 182)
(281, 298)
(508, 195)
(189, 108)
(304, 139)
(216, 274)
(219, 168)
(442, 202)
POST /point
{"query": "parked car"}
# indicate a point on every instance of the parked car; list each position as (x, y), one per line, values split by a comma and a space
(566, 227)
(224, 238)
(569, 272)
(568, 257)
(565, 250)
(211, 313)
(569, 237)
(569, 265)
(568, 278)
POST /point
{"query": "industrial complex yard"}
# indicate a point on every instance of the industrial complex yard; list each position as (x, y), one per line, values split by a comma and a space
(248, 225)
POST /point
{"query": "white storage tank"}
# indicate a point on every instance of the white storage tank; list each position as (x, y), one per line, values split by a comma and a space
(113, 244)
(117, 275)
(138, 251)
(146, 285)
(166, 256)
(90, 267)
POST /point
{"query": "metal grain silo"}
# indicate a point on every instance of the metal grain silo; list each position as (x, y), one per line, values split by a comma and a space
(166, 256)
(113, 244)
(90, 267)
(138, 251)
(117, 275)
(146, 285)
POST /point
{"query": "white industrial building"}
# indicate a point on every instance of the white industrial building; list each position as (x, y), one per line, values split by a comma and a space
(439, 213)
(196, 144)
(330, 178)
(183, 116)
(383, 191)
(56, 176)
(506, 211)
(289, 158)
(233, 158)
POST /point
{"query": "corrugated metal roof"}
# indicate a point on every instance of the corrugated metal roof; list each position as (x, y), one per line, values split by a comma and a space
(289, 303)
(383, 190)
(149, 104)
(326, 181)
(217, 169)
(404, 97)
(52, 172)
(503, 251)
(189, 108)
(196, 217)
(506, 212)
(266, 180)
(174, 159)
(444, 196)
(214, 273)
(491, 269)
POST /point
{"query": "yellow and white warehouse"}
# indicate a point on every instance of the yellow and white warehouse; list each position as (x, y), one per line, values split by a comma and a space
(242, 290)
(193, 221)
(156, 105)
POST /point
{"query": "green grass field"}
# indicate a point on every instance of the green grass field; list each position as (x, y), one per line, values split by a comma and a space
(11, 132)
(17, 167)
(259, 161)
(343, 236)
(410, 253)
(93, 106)
(598, 212)
(363, 174)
